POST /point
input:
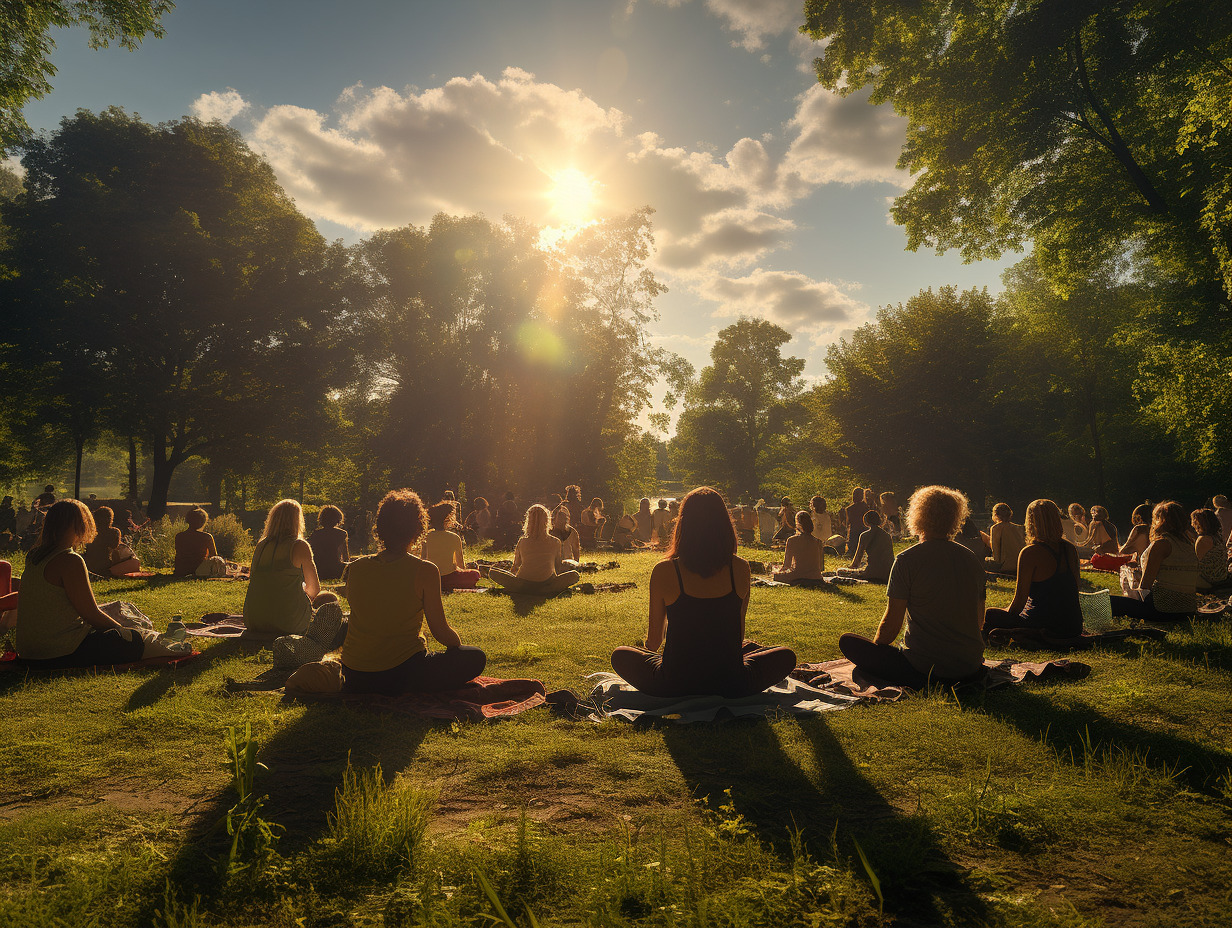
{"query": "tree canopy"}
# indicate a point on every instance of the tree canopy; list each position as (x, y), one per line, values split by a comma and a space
(1093, 129)
(26, 45)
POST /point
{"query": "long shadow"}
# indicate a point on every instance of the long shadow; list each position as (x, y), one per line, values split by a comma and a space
(304, 765)
(161, 681)
(920, 881)
(767, 788)
(1069, 730)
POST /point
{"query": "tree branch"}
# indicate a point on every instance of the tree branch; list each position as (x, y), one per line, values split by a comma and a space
(1118, 147)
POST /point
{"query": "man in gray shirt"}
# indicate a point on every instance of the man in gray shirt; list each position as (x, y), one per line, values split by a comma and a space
(937, 588)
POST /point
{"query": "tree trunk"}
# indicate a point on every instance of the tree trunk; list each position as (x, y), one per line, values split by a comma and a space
(79, 445)
(160, 486)
(132, 468)
(1098, 450)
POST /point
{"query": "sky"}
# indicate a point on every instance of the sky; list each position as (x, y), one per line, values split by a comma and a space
(771, 194)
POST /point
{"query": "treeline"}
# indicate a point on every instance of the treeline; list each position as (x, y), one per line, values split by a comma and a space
(1099, 395)
(160, 288)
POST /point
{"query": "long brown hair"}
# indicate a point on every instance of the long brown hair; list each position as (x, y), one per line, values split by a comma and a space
(68, 515)
(704, 539)
(1168, 519)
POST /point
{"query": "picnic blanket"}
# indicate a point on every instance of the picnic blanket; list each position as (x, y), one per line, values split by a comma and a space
(11, 663)
(1087, 641)
(578, 589)
(842, 677)
(613, 698)
(482, 698)
(221, 625)
(825, 583)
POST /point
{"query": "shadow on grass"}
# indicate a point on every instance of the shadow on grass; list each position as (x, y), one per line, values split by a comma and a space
(1068, 730)
(305, 762)
(774, 796)
(160, 682)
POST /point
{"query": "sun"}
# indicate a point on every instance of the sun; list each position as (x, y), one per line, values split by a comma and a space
(572, 197)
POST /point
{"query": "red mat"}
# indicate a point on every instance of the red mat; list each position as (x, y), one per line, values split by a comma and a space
(11, 663)
(139, 575)
(484, 698)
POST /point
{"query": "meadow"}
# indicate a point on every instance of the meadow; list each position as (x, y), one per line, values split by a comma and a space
(1106, 801)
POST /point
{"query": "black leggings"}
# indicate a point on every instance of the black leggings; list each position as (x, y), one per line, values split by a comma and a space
(763, 668)
(101, 648)
(889, 663)
(1145, 610)
(1049, 625)
(425, 672)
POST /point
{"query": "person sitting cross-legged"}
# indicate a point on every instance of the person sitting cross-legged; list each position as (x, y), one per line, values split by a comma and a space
(1005, 538)
(1167, 588)
(59, 623)
(392, 594)
(329, 543)
(1210, 548)
(570, 555)
(534, 559)
(804, 558)
(283, 588)
(442, 545)
(937, 586)
(106, 554)
(1046, 594)
(876, 544)
(699, 594)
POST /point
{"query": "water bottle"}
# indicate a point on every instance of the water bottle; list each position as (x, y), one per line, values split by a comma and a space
(175, 629)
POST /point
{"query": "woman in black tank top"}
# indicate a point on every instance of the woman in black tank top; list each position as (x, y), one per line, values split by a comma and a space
(699, 624)
(1048, 603)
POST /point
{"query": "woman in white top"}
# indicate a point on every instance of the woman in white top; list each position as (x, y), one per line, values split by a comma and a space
(59, 623)
(534, 559)
(1168, 586)
(823, 523)
(804, 557)
(443, 547)
(570, 541)
(1077, 530)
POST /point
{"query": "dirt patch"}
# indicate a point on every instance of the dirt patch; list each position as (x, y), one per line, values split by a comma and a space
(129, 798)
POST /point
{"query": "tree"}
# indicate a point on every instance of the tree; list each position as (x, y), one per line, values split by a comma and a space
(171, 260)
(26, 45)
(909, 394)
(1092, 128)
(741, 410)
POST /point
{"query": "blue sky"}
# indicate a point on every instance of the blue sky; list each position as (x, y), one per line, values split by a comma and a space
(771, 194)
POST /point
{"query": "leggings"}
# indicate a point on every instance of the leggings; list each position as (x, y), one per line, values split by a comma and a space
(459, 580)
(889, 663)
(763, 667)
(101, 647)
(1053, 625)
(425, 672)
(548, 587)
(1145, 610)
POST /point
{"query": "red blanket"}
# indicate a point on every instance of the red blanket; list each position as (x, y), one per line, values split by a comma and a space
(484, 698)
(11, 663)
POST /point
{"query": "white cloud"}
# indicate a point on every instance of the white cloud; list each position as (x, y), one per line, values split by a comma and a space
(729, 237)
(754, 20)
(791, 299)
(14, 165)
(842, 139)
(221, 105)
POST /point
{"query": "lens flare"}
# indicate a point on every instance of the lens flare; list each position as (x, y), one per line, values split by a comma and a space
(572, 197)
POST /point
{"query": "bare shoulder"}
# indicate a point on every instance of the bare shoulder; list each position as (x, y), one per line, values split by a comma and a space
(741, 567)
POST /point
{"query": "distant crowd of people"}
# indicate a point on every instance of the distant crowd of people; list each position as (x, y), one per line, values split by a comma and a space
(699, 591)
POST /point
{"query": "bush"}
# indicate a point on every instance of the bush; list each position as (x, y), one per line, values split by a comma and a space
(158, 549)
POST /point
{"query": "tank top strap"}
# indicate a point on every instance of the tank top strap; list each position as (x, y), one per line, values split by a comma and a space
(679, 579)
(731, 572)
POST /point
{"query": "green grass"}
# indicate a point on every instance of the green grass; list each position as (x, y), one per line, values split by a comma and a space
(1100, 802)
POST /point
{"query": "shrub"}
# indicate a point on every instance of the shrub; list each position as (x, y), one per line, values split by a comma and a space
(376, 827)
(157, 550)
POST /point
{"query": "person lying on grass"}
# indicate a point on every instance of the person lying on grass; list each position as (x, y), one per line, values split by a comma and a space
(937, 586)
(804, 557)
(699, 594)
(1046, 594)
(392, 593)
(534, 559)
(283, 586)
(877, 546)
(59, 624)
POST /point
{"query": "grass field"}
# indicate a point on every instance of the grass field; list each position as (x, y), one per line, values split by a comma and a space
(1101, 802)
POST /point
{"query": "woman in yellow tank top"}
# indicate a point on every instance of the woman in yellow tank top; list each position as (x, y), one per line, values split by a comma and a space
(392, 594)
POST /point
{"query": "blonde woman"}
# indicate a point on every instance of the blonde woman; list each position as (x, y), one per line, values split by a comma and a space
(937, 588)
(1168, 587)
(1101, 533)
(534, 559)
(283, 586)
(1046, 594)
(59, 623)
